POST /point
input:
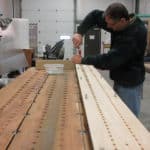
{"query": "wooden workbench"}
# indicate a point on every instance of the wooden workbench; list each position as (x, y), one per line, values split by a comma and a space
(76, 110)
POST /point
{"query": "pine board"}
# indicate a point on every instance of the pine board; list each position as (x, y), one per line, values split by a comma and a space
(112, 125)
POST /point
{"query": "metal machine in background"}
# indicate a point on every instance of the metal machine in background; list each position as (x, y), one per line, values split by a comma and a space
(92, 42)
(56, 52)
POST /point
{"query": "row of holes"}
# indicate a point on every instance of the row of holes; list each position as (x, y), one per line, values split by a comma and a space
(51, 88)
(100, 111)
(124, 121)
(20, 106)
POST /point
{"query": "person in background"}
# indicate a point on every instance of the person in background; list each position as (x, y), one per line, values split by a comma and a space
(125, 59)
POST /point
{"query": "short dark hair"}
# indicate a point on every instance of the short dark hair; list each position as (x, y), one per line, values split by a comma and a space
(116, 11)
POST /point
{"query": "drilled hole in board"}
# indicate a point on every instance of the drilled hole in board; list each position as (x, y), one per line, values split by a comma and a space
(38, 131)
(34, 142)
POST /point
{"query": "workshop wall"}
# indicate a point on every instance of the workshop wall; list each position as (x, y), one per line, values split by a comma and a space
(6, 8)
(85, 6)
(10, 8)
(144, 7)
(53, 20)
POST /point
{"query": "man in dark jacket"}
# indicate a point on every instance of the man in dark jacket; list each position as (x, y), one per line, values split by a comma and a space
(125, 59)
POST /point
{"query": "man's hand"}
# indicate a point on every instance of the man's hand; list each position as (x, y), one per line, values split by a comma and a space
(77, 40)
(76, 59)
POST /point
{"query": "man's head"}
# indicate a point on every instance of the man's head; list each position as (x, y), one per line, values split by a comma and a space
(116, 16)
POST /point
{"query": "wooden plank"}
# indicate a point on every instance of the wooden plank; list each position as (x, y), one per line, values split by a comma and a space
(119, 120)
(31, 129)
(116, 127)
(70, 122)
(100, 139)
(7, 93)
(54, 122)
(135, 127)
(68, 65)
(14, 109)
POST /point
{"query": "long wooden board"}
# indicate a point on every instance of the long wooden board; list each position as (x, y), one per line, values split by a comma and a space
(15, 102)
(46, 113)
(112, 125)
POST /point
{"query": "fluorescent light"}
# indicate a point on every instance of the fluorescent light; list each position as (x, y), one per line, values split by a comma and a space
(65, 37)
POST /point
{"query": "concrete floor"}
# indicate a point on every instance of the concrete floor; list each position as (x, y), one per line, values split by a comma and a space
(145, 102)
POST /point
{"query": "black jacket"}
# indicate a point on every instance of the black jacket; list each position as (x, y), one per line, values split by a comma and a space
(125, 60)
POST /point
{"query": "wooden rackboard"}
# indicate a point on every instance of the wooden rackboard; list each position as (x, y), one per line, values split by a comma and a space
(112, 125)
(16, 100)
(44, 113)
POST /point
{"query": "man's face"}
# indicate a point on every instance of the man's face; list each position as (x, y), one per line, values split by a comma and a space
(115, 25)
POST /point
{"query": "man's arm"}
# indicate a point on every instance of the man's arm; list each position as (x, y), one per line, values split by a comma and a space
(120, 55)
(94, 18)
